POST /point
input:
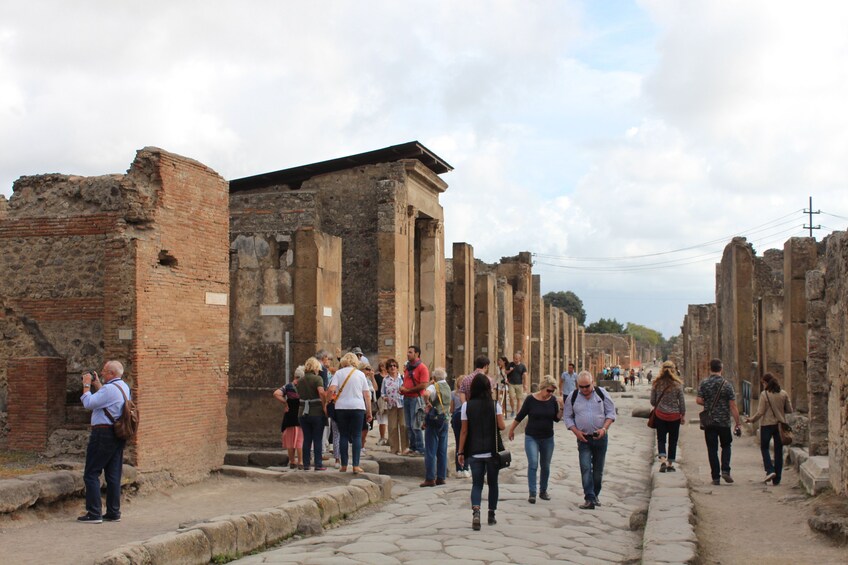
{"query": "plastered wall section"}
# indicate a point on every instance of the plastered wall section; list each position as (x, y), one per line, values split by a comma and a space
(836, 296)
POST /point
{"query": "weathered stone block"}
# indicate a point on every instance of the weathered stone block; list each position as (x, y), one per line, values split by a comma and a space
(17, 493)
(54, 485)
(304, 513)
(371, 489)
(815, 475)
(188, 547)
(221, 535)
(130, 554)
(815, 285)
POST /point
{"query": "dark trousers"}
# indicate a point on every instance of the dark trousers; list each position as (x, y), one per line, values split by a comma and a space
(105, 454)
(767, 433)
(313, 439)
(715, 435)
(671, 430)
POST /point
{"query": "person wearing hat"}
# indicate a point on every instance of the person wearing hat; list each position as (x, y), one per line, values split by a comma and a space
(362, 358)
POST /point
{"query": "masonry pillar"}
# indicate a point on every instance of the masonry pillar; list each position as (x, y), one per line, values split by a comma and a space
(36, 393)
(836, 297)
(537, 335)
(432, 293)
(486, 316)
(736, 299)
(799, 256)
(580, 354)
(818, 382)
(506, 319)
(462, 309)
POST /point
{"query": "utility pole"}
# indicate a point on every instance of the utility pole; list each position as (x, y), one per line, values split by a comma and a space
(810, 213)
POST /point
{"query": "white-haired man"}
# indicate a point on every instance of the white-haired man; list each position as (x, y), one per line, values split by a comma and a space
(105, 452)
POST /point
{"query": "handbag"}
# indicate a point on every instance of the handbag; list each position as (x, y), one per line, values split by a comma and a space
(784, 429)
(704, 415)
(331, 404)
(433, 417)
(652, 417)
(502, 457)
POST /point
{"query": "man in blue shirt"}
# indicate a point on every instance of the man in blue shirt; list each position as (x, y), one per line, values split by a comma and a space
(589, 413)
(105, 452)
(568, 381)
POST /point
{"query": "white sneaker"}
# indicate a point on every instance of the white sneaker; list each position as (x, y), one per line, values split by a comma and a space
(769, 477)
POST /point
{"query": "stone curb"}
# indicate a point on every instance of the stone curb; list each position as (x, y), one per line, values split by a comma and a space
(22, 492)
(233, 535)
(669, 535)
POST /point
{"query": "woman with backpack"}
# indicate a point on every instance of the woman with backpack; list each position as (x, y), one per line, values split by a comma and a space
(290, 427)
(482, 417)
(436, 430)
(669, 403)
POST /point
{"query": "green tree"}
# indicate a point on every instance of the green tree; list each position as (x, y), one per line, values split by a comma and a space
(644, 334)
(604, 326)
(569, 302)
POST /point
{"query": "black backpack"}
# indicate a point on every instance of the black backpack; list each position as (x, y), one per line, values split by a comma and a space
(597, 390)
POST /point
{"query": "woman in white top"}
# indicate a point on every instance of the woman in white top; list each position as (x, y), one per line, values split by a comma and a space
(353, 405)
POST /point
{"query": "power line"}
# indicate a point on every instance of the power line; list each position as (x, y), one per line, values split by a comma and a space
(766, 225)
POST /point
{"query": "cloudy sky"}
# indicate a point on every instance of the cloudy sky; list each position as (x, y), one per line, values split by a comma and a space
(622, 142)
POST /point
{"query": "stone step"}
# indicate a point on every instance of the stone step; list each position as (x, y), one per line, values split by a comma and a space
(815, 474)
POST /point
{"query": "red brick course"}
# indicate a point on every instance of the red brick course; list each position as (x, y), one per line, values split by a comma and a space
(36, 400)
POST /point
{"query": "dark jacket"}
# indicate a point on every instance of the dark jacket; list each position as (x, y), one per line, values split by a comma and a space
(480, 436)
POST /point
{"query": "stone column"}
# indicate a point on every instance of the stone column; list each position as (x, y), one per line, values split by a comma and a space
(818, 382)
(394, 288)
(432, 294)
(580, 351)
(462, 308)
(486, 317)
(799, 256)
(736, 299)
(506, 319)
(836, 297)
(537, 336)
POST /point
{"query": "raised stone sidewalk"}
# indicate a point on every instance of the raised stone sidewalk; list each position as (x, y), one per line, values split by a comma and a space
(426, 525)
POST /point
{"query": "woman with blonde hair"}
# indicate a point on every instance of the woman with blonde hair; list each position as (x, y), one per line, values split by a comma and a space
(349, 387)
(670, 411)
(310, 389)
(773, 407)
(542, 409)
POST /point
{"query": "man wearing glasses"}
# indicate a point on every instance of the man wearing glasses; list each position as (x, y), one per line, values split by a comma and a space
(589, 416)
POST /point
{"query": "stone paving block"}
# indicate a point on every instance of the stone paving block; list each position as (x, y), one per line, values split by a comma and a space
(249, 472)
(54, 485)
(399, 465)
(678, 553)
(371, 489)
(815, 474)
(277, 524)
(371, 558)
(368, 547)
(419, 544)
(328, 506)
(360, 496)
(385, 483)
(130, 554)
(17, 493)
(177, 548)
(221, 536)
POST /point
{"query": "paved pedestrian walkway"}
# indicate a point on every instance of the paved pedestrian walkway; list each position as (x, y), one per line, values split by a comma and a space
(425, 525)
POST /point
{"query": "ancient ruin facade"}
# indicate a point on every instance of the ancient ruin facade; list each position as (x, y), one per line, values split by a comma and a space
(108, 267)
(609, 350)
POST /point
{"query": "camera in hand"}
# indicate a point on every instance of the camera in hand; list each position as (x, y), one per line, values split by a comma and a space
(92, 372)
(596, 434)
(737, 431)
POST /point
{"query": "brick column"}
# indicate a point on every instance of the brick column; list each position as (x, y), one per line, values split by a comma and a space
(36, 400)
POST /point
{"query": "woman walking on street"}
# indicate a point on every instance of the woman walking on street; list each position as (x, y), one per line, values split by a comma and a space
(503, 384)
(670, 411)
(542, 409)
(353, 405)
(773, 407)
(481, 419)
(390, 391)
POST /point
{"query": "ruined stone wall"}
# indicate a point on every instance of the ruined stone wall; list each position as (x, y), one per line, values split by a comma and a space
(461, 305)
(612, 349)
(836, 299)
(111, 267)
(698, 343)
(817, 341)
(768, 293)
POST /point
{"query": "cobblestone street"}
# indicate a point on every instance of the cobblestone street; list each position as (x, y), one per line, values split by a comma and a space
(425, 525)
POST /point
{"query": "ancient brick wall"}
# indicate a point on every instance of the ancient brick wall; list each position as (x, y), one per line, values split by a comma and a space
(836, 298)
(699, 344)
(38, 386)
(111, 267)
(817, 341)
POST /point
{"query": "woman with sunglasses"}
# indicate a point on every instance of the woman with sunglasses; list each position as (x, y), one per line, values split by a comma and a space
(390, 390)
(542, 409)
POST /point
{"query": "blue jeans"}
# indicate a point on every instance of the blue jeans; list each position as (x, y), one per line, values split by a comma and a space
(105, 453)
(436, 454)
(313, 439)
(349, 423)
(539, 451)
(456, 424)
(766, 435)
(480, 468)
(714, 435)
(416, 437)
(592, 454)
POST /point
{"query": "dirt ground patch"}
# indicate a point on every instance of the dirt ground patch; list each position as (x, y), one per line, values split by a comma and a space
(47, 536)
(748, 522)
(16, 463)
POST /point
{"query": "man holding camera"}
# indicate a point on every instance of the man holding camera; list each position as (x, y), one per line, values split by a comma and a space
(105, 451)
(589, 413)
(716, 395)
